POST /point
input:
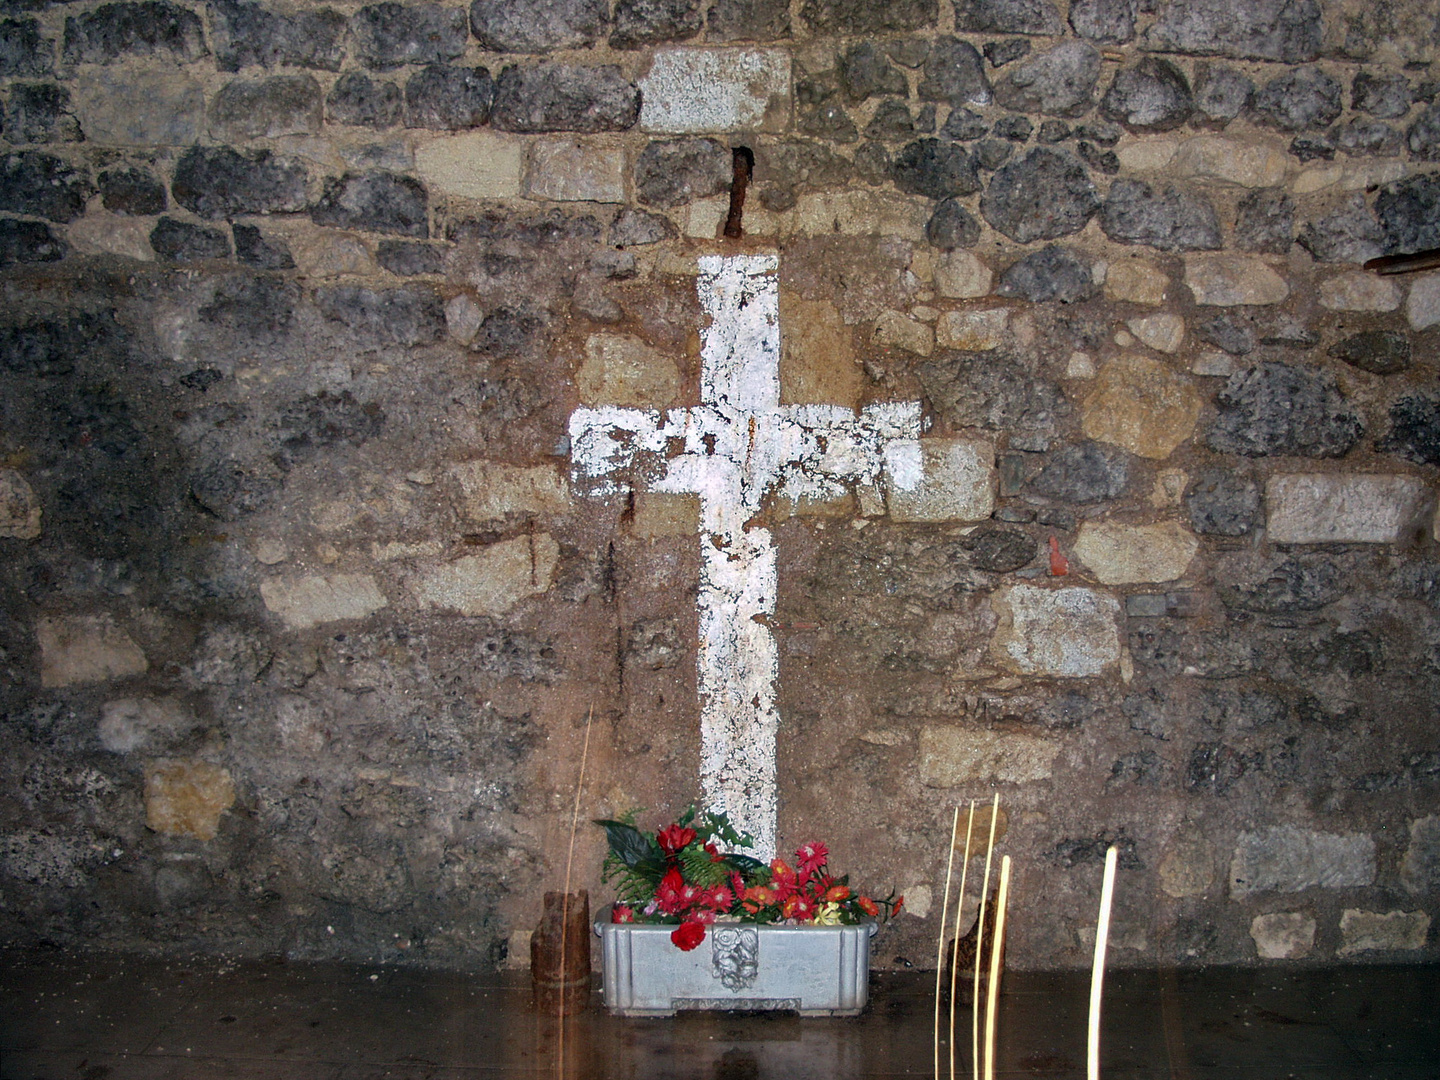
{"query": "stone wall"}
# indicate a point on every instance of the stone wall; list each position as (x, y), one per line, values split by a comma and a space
(301, 615)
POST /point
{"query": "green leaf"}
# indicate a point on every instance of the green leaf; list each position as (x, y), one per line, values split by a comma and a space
(744, 865)
(635, 849)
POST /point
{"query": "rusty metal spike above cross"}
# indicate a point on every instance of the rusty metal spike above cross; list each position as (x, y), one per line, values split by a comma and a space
(735, 447)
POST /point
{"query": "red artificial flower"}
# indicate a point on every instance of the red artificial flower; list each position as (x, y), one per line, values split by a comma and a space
(783, 878)
(837, 893)
(717, 898)
(669, 894)
(757, 897)
(713, 851)
(688, 935)
(674, 837)
(798, 907)
(895, 907)
(812, 856)
(868, 906)
(622, 913)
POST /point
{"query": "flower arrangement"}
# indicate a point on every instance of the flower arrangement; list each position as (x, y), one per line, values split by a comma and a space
(679, 875)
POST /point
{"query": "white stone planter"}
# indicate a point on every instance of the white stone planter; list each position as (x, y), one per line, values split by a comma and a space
(814, 970)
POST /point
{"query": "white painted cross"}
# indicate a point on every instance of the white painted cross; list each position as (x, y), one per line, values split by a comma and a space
(732, 450)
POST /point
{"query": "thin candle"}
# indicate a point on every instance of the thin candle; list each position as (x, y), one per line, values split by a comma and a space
(980, 944)
(997, 951)
(959, 911)
(1097, 972)
(940, 949)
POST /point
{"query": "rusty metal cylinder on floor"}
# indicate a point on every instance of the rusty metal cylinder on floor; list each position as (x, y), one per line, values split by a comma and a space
(560, 954)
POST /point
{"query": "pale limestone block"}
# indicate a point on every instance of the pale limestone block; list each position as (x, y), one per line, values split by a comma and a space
(86, 649)
(1359, 291)
(570, 170)
(957, 483)
(896, 330)
(103, 233)
(693, 91)
(973, 330)
(1141, 404)
(1214, 364)
(861, 213)
(1120, 554)
(955, 756)
(621, 369)
(1231, 280)
(492, 489)
(1356, 508)
(1189, 868)
(1230, 161)
(129, 724)
(1317, 177)
(19, 508)
(1423, 307)
(1138, 281)
(1070, 632)
(1147, 153)
(1382, 931)
(1079, 366)
(1363, 175)
(473, 165)
(661, 514)
(1290, 859)
(817, 354)
(1169, 488)
(1163, 331)
(186, 797)
(959, 275)
(400, 549)
(1420, 870)
(312, 599)
(463, 317)
(270, 550)
(704, 219)
(493, 580)
(918, 899)
(138, 106)
(1283, 935)
(328, 253)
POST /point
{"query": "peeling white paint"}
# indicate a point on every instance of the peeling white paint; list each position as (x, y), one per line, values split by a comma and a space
(733, 450)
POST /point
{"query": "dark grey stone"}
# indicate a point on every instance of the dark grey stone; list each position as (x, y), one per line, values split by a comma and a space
(507, 333)
(42, 186)
(255, 249)
(1058, 82)
(1043, 196)
(1313, 147)
(1142, 767)
(1146, 605)
(865, 72)
(642, 23)
(1008, 17)
(1339, 652)
(232, 491)
(247, 34)
(1426, 92)
(1053, 131)
(1414, 429)
(1380, 352)
(448, 98)
(24, 51)
(963, 126)
(1409, 213)
(113, 31)
(634, 228)
(891, 122)
(990, 154)
(218, 182)
(364, 102)
(1223, 503)
(1148, 714)
(1369, 137)
(1000, 53)
(908, 52)
(793, 164)
(860, 17)
(670, 172)
(279, 104)
(749, 20)
(131, 190)
(934, 168)
(1382, 94)
(317, 421)
(1109, 22)
(1249, 710)
(258, 307)
(1290, 333)
(1299, 100)
(565, 97)
(1105, 161)
(1015, 128)
(1088, 472)
(186, 242)
(925, 119)
(1265, 221)
(1000, 551)
(1052, 273)
(29, 242)
(202, 379)
(612, 264)
(1100, 132)
(952, 226)
(1154, 95)
(816, 88)
(995, 391)
(375, 201)
(1285, 30)
(1175, 221)
(1350, 233)
(40, 113)
(828, 120)
(1224, 332)
(1057, 517)
(1423, 137)
(538, 26)
(872, 164)
(544, 229)
(1215, 767)
(954, 74)
(409, 258)
(1221, 93)
(391, 35)
(1275, 408)
(409, 315)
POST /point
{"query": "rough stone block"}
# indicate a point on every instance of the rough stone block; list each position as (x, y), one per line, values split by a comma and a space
(24, 50)
(973, 330)
(817, 355)
(186, 797)
(247, 34)
(670, 172)
(115, 31)
(406, 258)
(1142, 405)
(1172, 220)
(1163, 332)
(374, 202)
(1058, 82)
(642, 23)
(960, 275)
(538, 26)
(1286, 858)
(956, 756)
(185, 242)
(443, 98)
(1275, 408)
(1382, 931)
(565, 97)
(1422, 309)
(364, 102)
(660, 515)
(955, 482)
(1283, 935)
(1231, 161)
(1043, 196)
(860, 213)
(1153, 95)
(476, 165)
(99, 233)
(266, 108)
(1053, 273)
(128, 190)
(410, 315)
(130, 724)
(620, 369)
(310, 600)
(327, 253)
(86, 649)
(868, 16)
(391, 35)
(19, 508)
(1071, 632)
(1189, 868)
(139, 107)
(1233, 280)
(492, 581)
(567, 170)
(492, 489)
(42, 185)
(1320, 508)
(898, 331)
(219, 182)
(690, 91)
(1137, 281)
(1420, 870)
(40, 113)
(1120, 554)
(1008, 17)
(1359, 291)
(1285, 30)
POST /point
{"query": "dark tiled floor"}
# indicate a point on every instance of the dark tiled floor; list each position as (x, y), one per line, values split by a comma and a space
(67, 1016)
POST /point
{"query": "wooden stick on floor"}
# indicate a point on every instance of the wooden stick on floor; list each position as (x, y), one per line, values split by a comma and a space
(959, 911)
(565, 902)
(997, 952)
(980, 945)
(1097, 972)
(940, 950)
